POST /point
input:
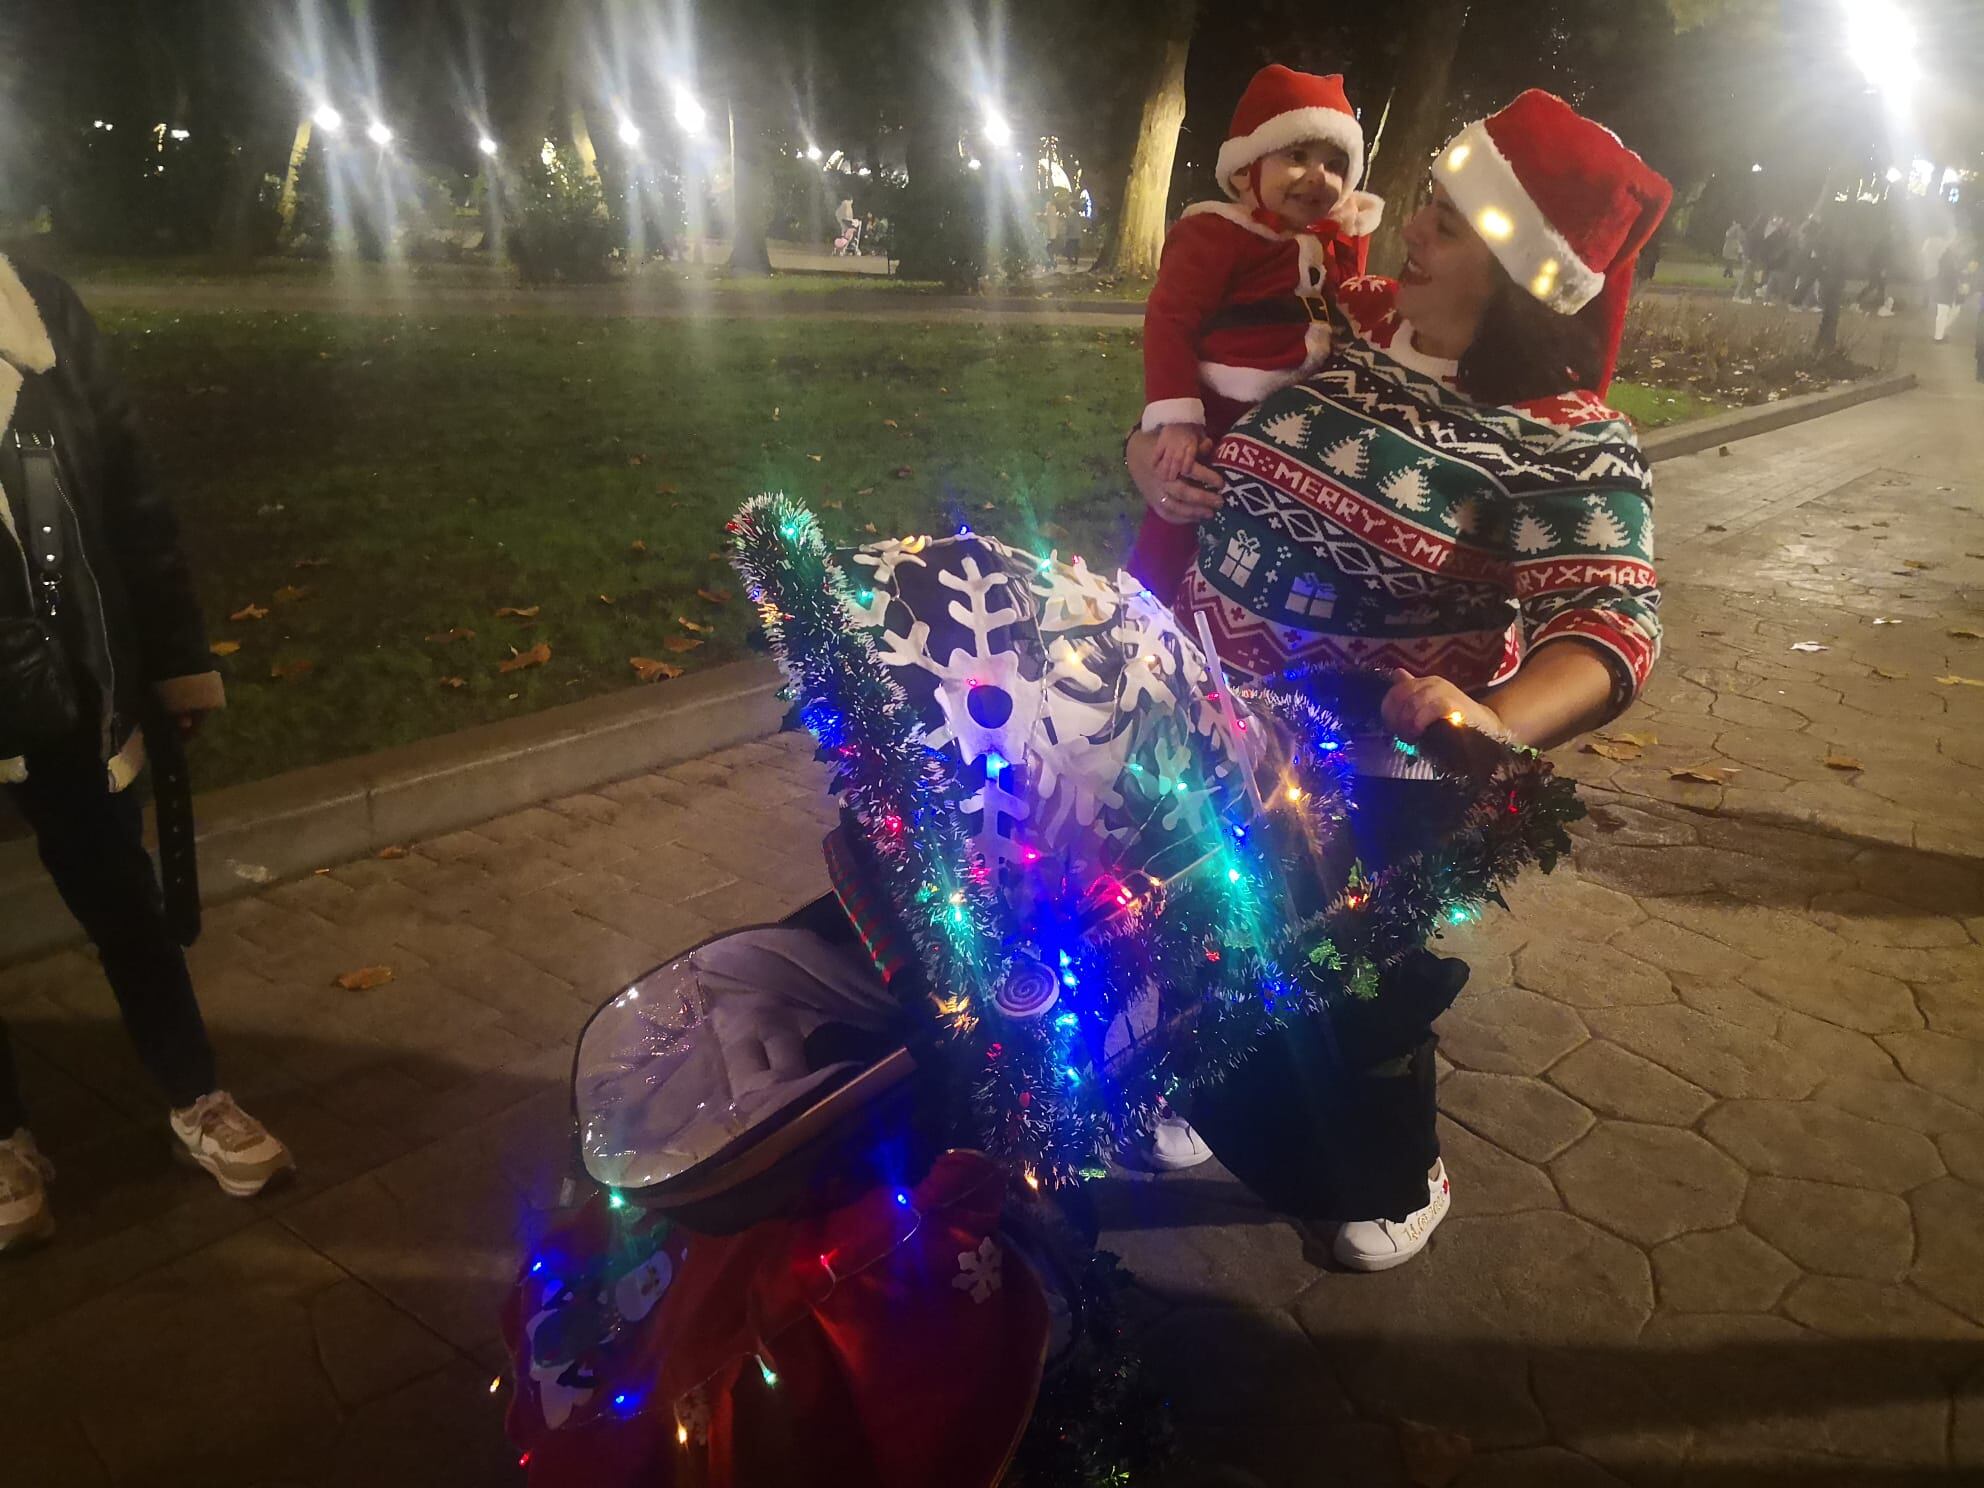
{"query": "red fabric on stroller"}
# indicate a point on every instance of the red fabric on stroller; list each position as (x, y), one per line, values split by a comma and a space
(906, 1342)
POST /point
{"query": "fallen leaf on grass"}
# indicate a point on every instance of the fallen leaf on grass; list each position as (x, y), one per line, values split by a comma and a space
(679, 643)
(284, 671)
(224, 648)
(904, 472)
(391, 854)
(816, 459)
(870, 491)
(537, 656)
(716, 557)
(1843, 762)
(830, 506)
(1808, 646)
(714, 596)
(1705, 774)
(1891, 676)
(638, 545)
(1607, 749)
(250, 612)
(890, 424)
(366, 978)
(454, 683)
(1963, 633)
(512, 612)
(687, 624)
(605, 599)
(459, 633)
(650, 670)
(668, 489)
(868, 527)
(1955, 681)
(290, 593)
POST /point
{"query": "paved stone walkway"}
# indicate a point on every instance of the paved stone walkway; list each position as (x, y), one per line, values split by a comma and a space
(1712, 1103)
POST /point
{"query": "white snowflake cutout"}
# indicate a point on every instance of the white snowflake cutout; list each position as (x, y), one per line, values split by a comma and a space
(887, 556)
(979, 1270)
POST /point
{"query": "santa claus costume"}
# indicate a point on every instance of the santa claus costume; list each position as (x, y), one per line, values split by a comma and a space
(1241, 303)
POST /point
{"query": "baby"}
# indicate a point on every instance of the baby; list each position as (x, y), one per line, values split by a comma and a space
(1241, 303)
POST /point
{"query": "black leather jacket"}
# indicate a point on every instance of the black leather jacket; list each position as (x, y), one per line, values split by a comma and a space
(132, 622)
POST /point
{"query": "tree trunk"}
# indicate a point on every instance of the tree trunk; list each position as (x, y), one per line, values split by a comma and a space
(750, 190)
(1417, 126)
(1141, 207)
(236, 234)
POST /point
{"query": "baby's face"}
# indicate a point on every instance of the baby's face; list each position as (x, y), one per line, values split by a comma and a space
(1300, 184)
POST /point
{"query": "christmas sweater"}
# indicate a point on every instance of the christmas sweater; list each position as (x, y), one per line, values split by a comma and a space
(1373, 515)
(1220, 257)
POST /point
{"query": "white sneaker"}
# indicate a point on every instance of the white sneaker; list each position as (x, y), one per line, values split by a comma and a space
(1171, 1145)
(1380, 1244)
(24, 1178)
(216, 1134)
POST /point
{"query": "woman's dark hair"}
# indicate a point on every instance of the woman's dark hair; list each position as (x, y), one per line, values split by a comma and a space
(1525, 350)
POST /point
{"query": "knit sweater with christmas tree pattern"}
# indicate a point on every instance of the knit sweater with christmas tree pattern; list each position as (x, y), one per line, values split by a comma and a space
(1372, 515)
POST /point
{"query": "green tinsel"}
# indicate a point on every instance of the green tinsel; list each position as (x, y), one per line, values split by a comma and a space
(1272, 925)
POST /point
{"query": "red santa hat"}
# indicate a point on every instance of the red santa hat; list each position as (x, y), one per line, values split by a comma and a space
(1283, 107)
(1561, 203)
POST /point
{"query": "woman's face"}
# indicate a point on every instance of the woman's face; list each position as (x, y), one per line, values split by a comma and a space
(1448, 279)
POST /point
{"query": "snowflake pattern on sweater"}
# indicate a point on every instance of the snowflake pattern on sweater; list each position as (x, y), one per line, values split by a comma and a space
(1374, 516)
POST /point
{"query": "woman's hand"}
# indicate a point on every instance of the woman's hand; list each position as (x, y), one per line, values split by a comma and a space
(1182, 501)
(1415, 704)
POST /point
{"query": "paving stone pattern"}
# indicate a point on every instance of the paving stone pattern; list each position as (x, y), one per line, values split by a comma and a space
(1712, 1102)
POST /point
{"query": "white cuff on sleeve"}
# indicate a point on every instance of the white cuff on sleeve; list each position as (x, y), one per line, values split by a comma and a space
(1173, 411)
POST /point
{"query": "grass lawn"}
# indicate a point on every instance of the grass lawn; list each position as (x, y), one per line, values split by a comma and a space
(382, 487)
(414, 479)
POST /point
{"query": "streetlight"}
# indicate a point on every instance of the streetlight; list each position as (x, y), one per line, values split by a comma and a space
(487, 146)
(813, 153)
(630, 135)
(1757, 169)
(995, 128)
(327, 119)
(690, 116)
(379, 134)
(1880, 38)
(1894, 174)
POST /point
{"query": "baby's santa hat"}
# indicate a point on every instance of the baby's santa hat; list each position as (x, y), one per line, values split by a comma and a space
(1283, 107)
(1563, 205)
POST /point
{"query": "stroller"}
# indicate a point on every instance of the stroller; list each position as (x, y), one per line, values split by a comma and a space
(838, 1233)
(786, 1276)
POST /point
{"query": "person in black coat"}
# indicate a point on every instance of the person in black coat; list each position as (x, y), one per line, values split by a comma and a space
(102, 649)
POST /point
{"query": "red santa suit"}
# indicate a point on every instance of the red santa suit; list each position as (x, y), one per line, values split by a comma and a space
(1241, 303)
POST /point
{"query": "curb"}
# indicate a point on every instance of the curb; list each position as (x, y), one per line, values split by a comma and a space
(288, 825)
(1741, 423)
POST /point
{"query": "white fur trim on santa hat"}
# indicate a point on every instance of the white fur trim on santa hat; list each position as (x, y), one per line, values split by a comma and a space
(1491, 196)
(1291, 128)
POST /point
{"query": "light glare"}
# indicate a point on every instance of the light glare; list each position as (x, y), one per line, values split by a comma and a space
(379, 134)
(995, 128)
(630, 134)
(487, 146)
(689, 114)
(327, 119)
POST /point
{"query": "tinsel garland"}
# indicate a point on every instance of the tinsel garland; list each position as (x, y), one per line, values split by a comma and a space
(1271, 924)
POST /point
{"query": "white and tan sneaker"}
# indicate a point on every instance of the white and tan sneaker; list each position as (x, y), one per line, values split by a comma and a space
(25, 1174)
(1380, 1244)
(216, 1134)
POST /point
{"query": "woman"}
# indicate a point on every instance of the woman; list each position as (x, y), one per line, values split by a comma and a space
(1447, 496)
